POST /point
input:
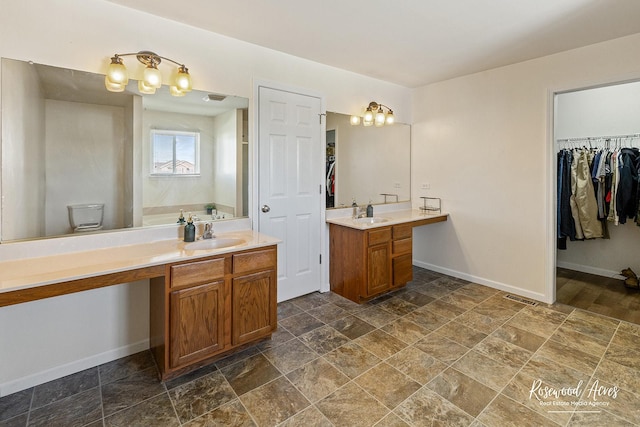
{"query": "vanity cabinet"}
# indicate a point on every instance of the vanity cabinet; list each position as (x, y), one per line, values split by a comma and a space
(204, 309)
(368, 263)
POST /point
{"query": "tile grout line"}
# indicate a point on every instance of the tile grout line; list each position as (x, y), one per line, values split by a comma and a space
(100, 391)
(33, 392)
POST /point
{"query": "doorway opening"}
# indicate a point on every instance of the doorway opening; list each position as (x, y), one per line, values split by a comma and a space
(595, 243)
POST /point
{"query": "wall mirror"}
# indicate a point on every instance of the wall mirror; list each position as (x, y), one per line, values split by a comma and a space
(67, 141)
(367, 163)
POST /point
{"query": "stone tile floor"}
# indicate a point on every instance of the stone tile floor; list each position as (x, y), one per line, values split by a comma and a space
(440, 352)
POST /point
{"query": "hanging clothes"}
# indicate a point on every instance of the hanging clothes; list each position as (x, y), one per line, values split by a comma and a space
(566, 225)
(596, 187)
(627, 191)
(572, 198)
(586, 199)
(613, 216)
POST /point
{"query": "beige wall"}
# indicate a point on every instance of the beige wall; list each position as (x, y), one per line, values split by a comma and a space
(483, 143)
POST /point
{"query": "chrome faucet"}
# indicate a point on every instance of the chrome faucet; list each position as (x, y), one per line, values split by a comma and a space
(208, 231)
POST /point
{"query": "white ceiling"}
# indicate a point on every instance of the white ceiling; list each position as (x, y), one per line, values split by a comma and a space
(409, 42)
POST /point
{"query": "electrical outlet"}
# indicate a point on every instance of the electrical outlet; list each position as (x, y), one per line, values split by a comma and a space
(425, 186)
(396, 185)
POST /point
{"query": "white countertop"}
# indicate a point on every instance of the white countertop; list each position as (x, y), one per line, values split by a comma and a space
(45, 270)
(391, 218)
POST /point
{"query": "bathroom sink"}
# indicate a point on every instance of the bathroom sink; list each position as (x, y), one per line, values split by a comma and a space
(370, 220)
(213, 244)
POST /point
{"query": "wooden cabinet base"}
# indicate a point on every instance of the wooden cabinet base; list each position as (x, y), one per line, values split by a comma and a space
(367, 263)
(174, 373)
(205, 310)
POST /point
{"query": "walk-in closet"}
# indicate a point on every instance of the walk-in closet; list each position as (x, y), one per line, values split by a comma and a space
(597, 141)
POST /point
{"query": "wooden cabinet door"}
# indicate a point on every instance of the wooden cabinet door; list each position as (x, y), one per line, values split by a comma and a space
(402, 270)
(254, 306)
(378, 269)
(197, 323)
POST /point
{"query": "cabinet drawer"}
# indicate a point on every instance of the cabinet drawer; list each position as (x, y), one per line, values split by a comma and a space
(197, 272)
(256, 260)
(381, 235)
(403, 246)
(402, 231)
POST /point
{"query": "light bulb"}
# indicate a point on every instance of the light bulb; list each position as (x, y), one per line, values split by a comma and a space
(152, 76)
(355, 120)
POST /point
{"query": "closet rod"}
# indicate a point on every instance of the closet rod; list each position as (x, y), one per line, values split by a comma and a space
(596, 138)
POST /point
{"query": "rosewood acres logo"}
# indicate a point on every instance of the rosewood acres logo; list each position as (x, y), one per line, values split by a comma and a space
(572, 397)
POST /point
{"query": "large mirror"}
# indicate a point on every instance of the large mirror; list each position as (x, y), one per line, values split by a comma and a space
(67, 141)
(367, 163)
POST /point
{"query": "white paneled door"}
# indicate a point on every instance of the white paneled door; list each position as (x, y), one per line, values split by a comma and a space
(290, 192)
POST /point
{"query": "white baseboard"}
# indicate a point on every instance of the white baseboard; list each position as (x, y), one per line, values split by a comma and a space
(71, 368)
(486, 282)
(588, 269)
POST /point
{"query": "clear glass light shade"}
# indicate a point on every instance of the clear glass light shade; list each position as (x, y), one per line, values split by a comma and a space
(380, 118)
(152, 77)
(355, 120)
(144, 88)
(182, 80)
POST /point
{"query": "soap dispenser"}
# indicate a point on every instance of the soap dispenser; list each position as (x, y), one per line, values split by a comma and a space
(369, 210)
(181, 218)
(190, 230)
(354, 208)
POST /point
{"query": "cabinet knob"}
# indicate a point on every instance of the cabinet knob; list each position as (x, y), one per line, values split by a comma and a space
(265, 208)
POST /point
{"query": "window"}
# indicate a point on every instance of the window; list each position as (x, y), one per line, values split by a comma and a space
(175, 152)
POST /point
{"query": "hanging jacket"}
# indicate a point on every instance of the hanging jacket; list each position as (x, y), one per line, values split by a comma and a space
(627, 192)
(586, 199)
(566, 226)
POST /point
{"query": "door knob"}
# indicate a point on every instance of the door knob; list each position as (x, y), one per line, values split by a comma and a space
(265, 208)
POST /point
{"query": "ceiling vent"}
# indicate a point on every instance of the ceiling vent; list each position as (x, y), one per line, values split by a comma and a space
(214, 97)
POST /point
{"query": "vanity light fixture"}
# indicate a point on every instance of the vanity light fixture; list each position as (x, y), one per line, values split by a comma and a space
(375, 115)
(117, 77)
